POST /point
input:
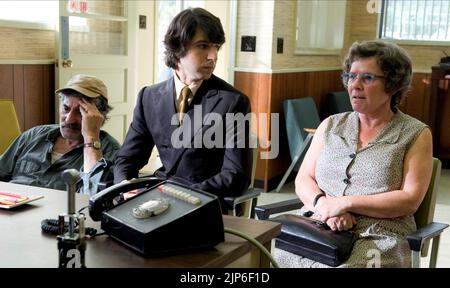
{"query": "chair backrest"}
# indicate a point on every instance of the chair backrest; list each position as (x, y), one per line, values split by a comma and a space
(338, 102)
(255, 150)
(424, 215)
(248, 207)
(9, 124)
(299, 114)
(244, 205)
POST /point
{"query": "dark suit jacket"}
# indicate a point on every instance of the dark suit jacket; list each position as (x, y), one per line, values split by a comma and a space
(221, 171)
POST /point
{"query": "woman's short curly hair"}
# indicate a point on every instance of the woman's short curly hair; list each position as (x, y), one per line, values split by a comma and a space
(393, 60)
(182, 30)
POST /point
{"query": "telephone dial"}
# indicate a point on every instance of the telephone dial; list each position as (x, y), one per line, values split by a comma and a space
(164, 217)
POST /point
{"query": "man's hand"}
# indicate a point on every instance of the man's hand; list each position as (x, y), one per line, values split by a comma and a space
(92, 121)
(129, 194)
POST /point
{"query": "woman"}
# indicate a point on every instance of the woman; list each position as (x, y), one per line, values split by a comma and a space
(369, 169)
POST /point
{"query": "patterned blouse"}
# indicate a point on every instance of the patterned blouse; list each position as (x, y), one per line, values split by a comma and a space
(342, 169)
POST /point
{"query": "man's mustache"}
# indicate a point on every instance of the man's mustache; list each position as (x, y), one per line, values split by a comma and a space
(72, 126)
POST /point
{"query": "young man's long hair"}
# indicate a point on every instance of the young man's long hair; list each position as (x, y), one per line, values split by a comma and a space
(182, 30)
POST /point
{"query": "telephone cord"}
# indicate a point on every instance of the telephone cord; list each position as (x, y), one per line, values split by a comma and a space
(254, 242)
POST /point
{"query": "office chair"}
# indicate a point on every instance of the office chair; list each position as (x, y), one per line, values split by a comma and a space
(248, 200)
(9, 124)
(338, 102)
(418, 241)
(427, 229)
(299, 114)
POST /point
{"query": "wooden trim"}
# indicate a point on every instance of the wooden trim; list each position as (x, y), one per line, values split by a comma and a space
(23, 62)
(285, 70)
(6, 78)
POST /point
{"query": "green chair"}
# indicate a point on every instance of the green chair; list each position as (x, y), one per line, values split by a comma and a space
(427, 229)
(338, 102)
(299, 114)
(248, 200)
(418, 241)
(9, 124)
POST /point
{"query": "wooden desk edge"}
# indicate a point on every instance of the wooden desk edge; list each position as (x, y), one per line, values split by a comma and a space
(273, 230)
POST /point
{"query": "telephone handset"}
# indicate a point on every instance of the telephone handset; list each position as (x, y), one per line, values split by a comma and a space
(104, 200)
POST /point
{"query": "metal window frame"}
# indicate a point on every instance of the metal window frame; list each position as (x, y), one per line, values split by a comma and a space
(413, 38)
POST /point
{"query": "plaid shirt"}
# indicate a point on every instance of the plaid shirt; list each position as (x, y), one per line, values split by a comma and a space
(28, 161)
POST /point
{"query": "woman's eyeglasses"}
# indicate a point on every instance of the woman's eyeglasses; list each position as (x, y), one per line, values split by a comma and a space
(366, 78)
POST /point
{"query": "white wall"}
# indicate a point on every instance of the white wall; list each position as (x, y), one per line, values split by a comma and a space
(145, 45)
(221, 9)
(255, 18)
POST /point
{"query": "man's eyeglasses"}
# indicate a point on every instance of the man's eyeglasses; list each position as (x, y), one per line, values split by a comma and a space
(366, 78)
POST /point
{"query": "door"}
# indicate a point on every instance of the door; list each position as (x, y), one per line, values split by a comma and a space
(96, 38)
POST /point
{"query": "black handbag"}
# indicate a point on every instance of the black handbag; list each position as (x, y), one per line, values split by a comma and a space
(313, 239)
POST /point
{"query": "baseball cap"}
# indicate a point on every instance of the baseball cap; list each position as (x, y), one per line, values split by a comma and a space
(87, 85)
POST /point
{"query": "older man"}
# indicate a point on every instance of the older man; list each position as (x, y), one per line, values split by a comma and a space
(39, 155)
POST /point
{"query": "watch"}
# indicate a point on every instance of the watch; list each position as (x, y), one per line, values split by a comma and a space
(96, 145)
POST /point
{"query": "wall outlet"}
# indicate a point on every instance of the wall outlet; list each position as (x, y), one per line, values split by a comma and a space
(248, 43)
(280, 42)
(142, 22)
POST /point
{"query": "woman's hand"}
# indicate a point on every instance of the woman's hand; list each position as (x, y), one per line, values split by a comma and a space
(328, 207)
(342, 222)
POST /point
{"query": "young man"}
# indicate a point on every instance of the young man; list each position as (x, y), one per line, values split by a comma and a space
(39, 155)
(164, 111)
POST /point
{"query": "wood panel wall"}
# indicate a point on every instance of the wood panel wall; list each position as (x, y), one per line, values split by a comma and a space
(268, 91)
(417, 101)
(31, 87)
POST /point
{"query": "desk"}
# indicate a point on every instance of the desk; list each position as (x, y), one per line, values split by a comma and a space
(22, 243)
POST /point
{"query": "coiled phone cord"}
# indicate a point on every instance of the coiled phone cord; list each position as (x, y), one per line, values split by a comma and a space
(51, 226)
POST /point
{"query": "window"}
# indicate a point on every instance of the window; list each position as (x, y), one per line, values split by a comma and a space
(320, 26)
(29, 14)
(415, 20)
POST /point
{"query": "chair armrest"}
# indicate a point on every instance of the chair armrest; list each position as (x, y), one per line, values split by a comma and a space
(249, 194)
(310, 130)
(144, 174)
(264, 211)
(430, 231)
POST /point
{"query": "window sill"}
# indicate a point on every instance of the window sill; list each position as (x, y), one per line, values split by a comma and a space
(26, 25)
(418, 42)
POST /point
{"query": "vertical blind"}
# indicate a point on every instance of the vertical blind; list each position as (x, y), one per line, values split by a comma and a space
(320, 24)
(416, 20)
